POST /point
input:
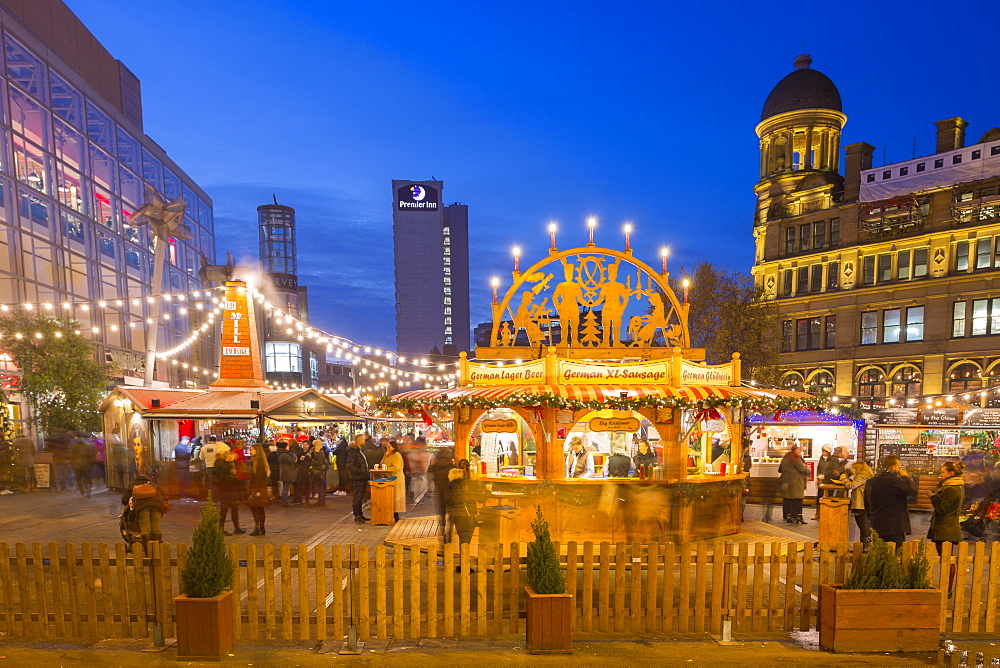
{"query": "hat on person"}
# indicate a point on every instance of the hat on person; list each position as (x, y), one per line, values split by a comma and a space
(827, 449)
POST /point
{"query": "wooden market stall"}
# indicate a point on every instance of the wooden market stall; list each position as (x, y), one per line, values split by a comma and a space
(142, 425)
(610, 387)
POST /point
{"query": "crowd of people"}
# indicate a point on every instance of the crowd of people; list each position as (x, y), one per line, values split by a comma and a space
(78, 459)
(879, 501)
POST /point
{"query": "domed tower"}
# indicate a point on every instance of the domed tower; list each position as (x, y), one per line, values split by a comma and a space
(799, 132)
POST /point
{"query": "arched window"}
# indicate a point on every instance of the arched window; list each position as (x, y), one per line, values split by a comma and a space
(906, 382)
(964, 378)
(871, 388)
(821, 381)
(793, 381)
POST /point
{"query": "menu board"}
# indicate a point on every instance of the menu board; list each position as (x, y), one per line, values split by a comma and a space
(910, 456)
(939, 416)
(906, 416)
(988, 418)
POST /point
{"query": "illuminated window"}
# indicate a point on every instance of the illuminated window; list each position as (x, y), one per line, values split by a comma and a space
(833, 276)
(890, 326)
(964, 377)
(903, 265)
(831, 332)
(958, 319)
(906, 383)
(283, 357)
(868, 270)
(786, 336)
(807, 334)
(884, 267)
(915, 323)
(869, 328)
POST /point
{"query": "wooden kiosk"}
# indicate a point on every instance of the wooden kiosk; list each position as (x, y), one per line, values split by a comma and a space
(612, 380)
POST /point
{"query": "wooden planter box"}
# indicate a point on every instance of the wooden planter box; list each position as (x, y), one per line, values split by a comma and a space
(549, 625)
(879, 620)
(204, 627)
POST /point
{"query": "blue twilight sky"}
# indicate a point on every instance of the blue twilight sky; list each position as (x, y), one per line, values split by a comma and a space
(529, 111)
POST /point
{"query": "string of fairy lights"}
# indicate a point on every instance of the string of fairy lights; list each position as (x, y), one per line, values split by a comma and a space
(209, 303)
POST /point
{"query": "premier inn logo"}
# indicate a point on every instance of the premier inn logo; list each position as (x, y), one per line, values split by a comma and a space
(417, 197)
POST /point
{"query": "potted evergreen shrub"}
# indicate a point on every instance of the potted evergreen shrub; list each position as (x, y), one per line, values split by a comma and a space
(883, 606)
(204, 610)
(549, 608)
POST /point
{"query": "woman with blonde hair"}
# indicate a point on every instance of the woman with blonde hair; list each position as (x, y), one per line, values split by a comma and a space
(394, 462)
(258, 495)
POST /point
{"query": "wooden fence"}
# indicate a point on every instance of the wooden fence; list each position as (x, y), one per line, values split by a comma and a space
(292, 592)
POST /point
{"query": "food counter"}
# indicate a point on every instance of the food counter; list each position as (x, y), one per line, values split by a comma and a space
(622, 509)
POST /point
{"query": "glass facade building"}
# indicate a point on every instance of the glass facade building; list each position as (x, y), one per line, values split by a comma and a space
(73, 167)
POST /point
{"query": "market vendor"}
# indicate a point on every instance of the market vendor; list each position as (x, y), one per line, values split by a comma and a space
(579, 461)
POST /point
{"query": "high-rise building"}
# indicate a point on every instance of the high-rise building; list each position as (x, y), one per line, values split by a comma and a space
(431, 248)
(288, 359)
(74, 162)
(886, 278)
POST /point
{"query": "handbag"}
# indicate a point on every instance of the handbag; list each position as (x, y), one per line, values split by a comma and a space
(993, 512)
(147, 491)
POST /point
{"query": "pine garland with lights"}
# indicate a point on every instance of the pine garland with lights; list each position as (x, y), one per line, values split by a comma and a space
(389, 405)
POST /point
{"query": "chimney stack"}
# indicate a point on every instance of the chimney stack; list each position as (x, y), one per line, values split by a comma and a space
(859, 158)
(950, 134)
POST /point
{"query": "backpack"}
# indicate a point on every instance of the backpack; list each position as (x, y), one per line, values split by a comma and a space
(144, 491)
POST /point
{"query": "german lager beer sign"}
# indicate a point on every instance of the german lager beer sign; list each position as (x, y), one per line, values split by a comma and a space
(499, 426)
(531, 373)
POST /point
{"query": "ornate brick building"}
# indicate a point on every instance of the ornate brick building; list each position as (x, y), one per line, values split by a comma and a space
(887, 279)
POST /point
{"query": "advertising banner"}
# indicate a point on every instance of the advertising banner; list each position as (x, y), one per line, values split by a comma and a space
(702, 374)
(640, 373)
(530, 373)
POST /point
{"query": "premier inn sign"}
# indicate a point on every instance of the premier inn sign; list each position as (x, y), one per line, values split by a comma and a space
(417, 197)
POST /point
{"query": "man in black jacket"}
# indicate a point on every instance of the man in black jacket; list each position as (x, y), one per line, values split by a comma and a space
(886, 497)
(358, 470)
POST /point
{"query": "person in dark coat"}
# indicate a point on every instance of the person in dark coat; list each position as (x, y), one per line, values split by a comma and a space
(286, 471)
(302, 465)
(644, 455)
(461, 501)
(340, 454)
(358, 470)
(258, 496)
(441, 464)
(886, 495)
(227, 486)
(319, 462)
(947, 500)
(821, 474)
(149, 511)
(82, 455)
(793, 473)
(272, 465)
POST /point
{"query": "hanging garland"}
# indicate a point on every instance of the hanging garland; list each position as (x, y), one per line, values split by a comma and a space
(388, 405)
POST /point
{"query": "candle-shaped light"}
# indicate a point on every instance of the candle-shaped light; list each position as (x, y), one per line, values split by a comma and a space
(628, 235)
(664, 252)
(591, 223)
(516, 250)
(496, 284)
(686, 283)
(552, 234)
